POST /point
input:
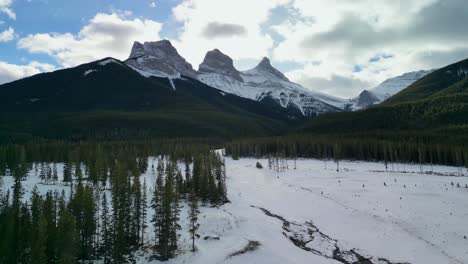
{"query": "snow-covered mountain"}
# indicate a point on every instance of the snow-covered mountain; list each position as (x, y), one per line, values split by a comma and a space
(363, 100)
(385, 90)
(392, 86)
(262, 83)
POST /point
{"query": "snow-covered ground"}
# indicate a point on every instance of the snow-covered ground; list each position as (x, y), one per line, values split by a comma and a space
(317, 215)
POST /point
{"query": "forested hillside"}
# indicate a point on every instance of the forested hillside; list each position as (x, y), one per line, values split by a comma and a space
(109, 100)
(434, 109)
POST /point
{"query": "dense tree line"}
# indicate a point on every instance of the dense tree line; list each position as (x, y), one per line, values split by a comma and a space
(104, 213)
(327, 148)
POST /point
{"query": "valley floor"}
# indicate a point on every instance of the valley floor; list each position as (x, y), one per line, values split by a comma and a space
(415, 218)
(317, 215)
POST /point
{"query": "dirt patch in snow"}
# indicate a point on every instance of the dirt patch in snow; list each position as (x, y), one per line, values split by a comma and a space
(251, 246)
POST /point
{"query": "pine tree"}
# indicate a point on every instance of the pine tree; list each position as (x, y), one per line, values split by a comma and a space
(67, 238)
(49, 174)
(156, 204)
(175, 212)
(136, 214)
(83, 208)
(15, 216)
(54, 173)
(78, 171)
(38, 241)
(49, 211)
(180, 183)
(144, 205)
(38, 235)
(105, 248)
(67, 173)
(24, 224)
(188, 176)
(193, 218)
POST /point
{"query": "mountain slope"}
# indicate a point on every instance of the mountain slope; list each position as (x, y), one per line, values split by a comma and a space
(394, 85)
(263, 83)
(362, 101)
(434, 108)
(108, 99)
(432, 83)
(384, 90)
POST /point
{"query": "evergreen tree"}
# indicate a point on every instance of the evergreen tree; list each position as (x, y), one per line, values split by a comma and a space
(54, 173)
(24, 233)
(49, 210)
(67, 173)
(144, 205)
(137, 206)
(156, 204)
(105, 248)
(67, 238)
(193, 218)
(38, 235)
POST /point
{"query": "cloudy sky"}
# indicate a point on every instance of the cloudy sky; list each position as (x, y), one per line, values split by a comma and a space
(336, 46)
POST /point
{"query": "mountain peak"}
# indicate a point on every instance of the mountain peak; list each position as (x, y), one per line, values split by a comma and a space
(159, 57)
(265, 66)
(217, 62)
(137, 50)
(265, 62)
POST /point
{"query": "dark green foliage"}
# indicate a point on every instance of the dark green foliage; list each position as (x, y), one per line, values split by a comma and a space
(350, 148)
(67, 238)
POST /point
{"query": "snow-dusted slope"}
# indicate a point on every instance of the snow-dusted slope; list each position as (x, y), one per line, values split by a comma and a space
(385, 90)
(394, 85)
(264, 82)
(363, 100)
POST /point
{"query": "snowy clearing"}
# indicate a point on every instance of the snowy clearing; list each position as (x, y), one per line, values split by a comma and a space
(361, 214)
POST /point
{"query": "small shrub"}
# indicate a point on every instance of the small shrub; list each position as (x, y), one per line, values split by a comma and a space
(259, 165)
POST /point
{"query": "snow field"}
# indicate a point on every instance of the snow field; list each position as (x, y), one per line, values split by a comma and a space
(412, 218)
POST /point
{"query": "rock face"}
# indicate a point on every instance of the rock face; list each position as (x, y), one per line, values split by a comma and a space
(265, 67)
(137, 50)
(217, 62)
(159, 58)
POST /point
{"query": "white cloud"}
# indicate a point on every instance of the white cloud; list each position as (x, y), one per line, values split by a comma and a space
(5, 8)
(247, 41)
(152, 4)
(43, 67)
(106, 35)
(7, 35)
(339, 34)
(11, 72)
